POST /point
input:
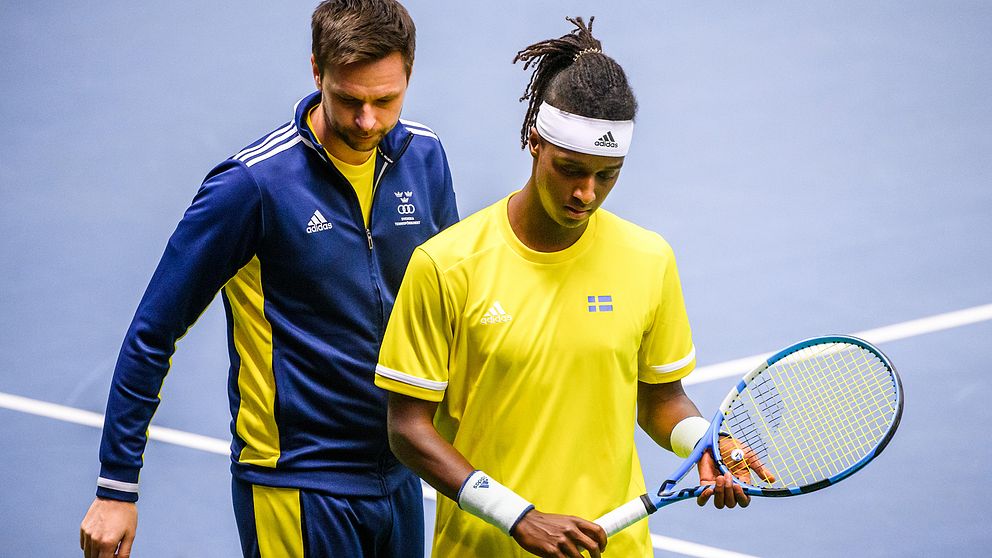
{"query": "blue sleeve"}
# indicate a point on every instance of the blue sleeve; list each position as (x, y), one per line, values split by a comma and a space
(215, 238)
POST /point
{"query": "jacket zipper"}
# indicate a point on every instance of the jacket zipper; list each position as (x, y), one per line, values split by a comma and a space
(375, 187)
(386, 163)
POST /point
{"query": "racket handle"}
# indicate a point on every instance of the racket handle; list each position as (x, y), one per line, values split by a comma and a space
(626, 515)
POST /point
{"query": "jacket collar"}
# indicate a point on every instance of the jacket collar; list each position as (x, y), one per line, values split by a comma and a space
(391, 146)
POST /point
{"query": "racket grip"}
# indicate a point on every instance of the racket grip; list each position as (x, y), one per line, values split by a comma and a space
(626, 515)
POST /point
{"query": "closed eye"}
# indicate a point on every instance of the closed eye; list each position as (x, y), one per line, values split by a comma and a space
(349, 101)
(570, 170)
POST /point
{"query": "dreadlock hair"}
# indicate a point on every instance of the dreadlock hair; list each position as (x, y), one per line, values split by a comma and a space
(572, 74)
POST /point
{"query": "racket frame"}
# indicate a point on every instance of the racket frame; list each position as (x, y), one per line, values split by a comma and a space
(639, 508)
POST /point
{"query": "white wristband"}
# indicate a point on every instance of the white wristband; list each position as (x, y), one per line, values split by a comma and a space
(687, 434)
(492, 502)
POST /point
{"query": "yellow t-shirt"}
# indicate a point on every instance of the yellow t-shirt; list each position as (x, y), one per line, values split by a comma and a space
(360, 176)
(535, 359)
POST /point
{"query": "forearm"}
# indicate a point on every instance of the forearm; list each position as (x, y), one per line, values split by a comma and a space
(417, 444)
(132, 401)
(660, 407)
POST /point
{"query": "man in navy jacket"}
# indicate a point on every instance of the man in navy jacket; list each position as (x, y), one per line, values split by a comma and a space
(307, 233)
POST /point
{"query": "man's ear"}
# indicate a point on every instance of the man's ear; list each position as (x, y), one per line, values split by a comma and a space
(315, 70)
(533, 141)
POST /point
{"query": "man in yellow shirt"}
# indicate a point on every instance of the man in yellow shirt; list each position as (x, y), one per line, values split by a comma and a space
(527, 339)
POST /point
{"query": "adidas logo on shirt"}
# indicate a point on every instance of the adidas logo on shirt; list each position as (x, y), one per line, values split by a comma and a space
(607, 141)
(318, 223)
(496, 315)
(481, 483)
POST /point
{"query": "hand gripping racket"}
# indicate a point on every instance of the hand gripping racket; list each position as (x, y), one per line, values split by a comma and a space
(806, 418)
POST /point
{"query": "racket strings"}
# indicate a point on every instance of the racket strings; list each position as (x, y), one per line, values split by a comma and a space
(824, 428)
(864, 405)
(813, 414)
(830, 429)
(830, 419)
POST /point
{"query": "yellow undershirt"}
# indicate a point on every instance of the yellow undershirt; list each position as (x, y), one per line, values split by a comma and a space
(360, 176)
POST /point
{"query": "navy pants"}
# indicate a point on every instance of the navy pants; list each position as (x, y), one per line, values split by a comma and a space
(298, 523)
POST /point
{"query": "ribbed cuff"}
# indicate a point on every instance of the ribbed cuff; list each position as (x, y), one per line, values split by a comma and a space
(118, 483)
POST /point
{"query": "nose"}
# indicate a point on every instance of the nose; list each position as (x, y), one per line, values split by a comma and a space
(365, 119)
(585, 191)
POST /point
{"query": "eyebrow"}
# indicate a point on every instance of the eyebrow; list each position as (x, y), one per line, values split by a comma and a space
(347, 97)
(566, 159)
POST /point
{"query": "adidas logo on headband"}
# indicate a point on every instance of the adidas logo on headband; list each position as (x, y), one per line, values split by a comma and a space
(593, 136)
(607, 141)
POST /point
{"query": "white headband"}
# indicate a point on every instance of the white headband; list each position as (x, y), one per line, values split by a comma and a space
(583, 134)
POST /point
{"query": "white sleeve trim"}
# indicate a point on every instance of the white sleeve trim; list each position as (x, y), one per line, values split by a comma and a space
(678, 364)
(117, 485)
(408, 379)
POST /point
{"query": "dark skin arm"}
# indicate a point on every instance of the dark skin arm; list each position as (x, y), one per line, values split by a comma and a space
(416, 443)
(659, 408)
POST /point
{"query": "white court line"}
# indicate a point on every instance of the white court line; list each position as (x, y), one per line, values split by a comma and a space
(693, 549)
(734, 367)
(87, 418)
(931, 324)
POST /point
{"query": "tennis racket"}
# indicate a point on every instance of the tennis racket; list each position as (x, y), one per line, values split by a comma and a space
(811, 415)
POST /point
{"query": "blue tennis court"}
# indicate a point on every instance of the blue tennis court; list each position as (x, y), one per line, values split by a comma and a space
(819, 167)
